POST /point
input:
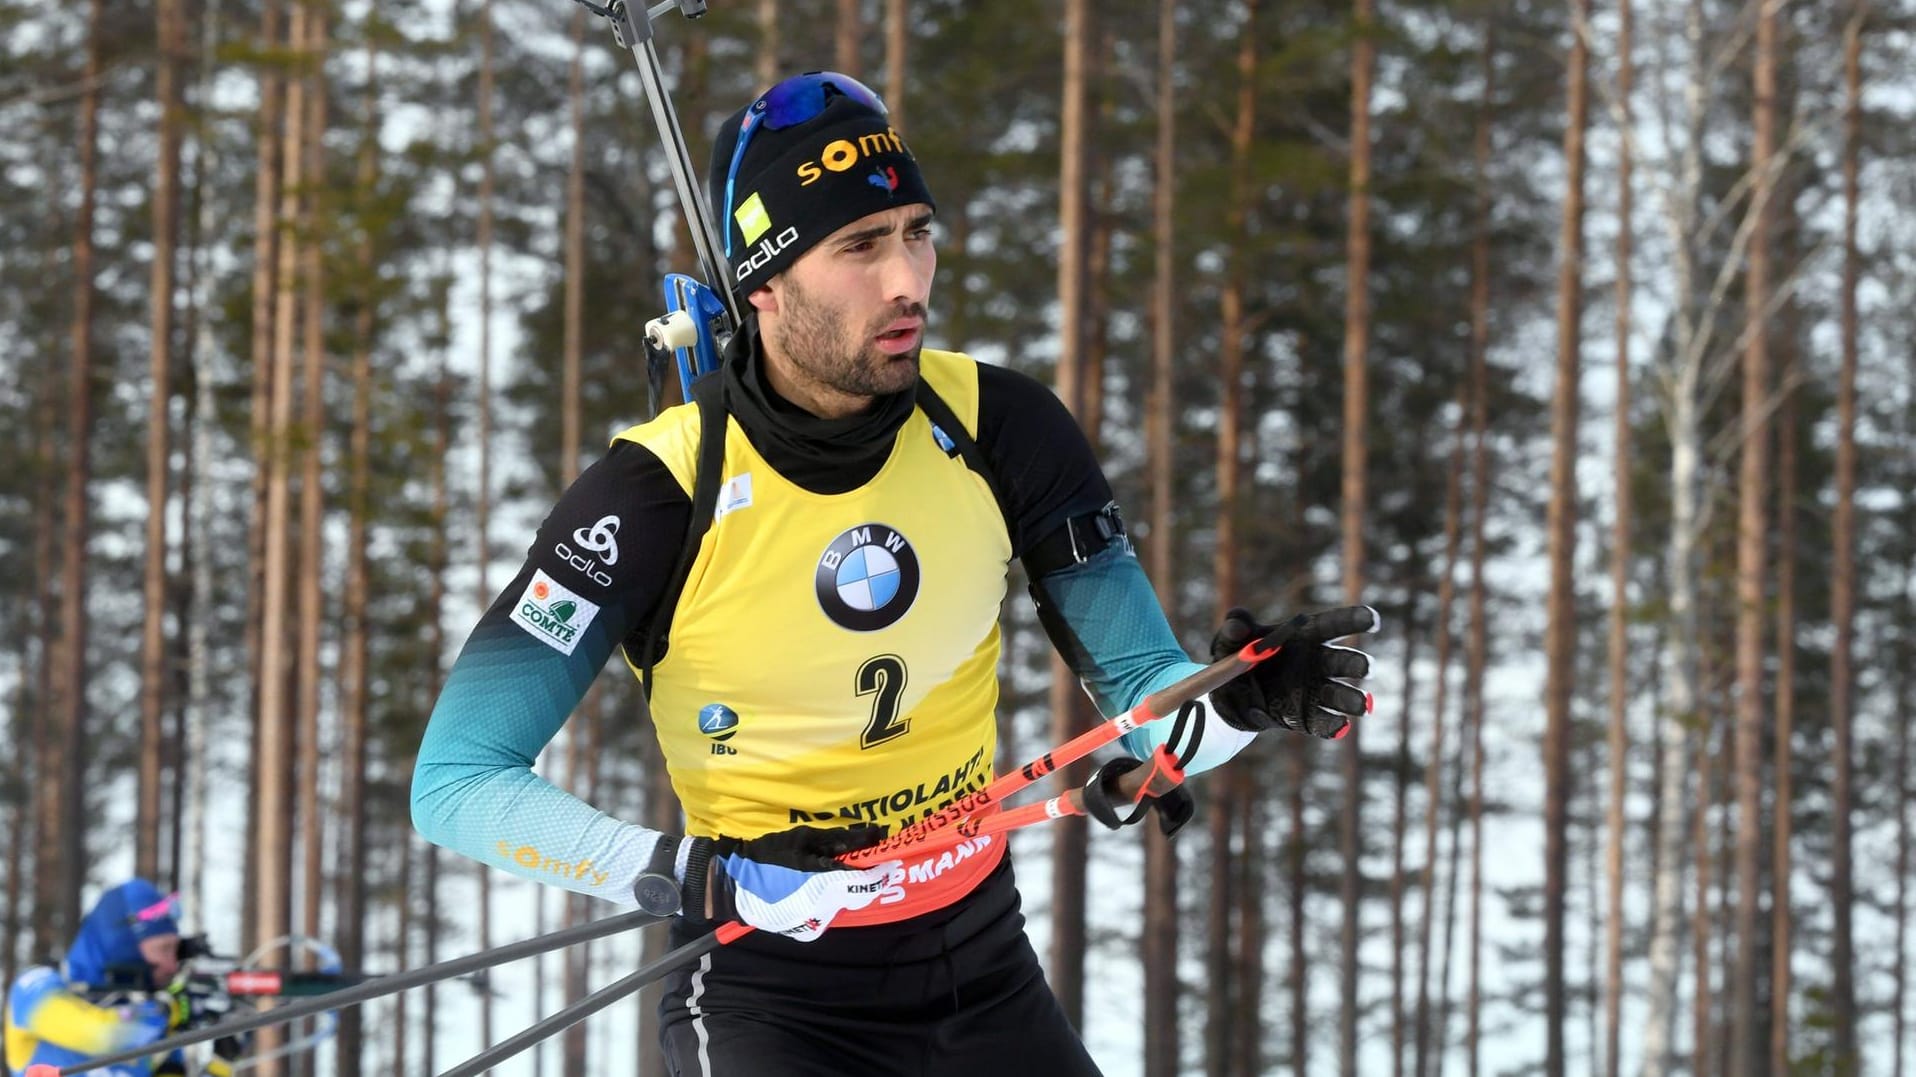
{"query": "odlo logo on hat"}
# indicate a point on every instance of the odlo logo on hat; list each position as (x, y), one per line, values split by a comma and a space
(765, 252)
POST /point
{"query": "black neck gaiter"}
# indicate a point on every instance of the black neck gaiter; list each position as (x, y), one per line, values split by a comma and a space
(825, 456)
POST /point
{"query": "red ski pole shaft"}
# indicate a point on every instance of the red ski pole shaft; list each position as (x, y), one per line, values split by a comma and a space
(1160, 704)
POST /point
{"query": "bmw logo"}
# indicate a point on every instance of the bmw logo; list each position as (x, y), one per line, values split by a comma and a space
(867, 578)
(718, 721)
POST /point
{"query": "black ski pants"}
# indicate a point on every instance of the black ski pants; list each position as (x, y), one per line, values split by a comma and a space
(954, 993)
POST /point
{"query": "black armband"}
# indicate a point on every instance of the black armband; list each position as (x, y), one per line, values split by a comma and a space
(1078, 540)
(698, 864)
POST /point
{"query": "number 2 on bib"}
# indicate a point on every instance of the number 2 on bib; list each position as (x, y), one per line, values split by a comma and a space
(883, 678)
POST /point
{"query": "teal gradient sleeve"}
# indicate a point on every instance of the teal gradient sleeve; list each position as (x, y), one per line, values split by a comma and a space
(528, 663)
(474, 790)
(1104, 617)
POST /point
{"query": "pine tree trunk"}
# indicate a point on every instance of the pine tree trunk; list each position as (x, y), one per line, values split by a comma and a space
(569, 425)
(1247, 1046)
(1356, 412)
(355, 648)
(1399, 838)
(312, 560)
(1843, 572)
(62, 852)
(171, 33)
(1297, 856)
(847, 32)
(1473, 992)
(765, 58)
(273, 839)
(1440, 1032)
(897, 55)
(438, 558)
(1593, 923)
(1065, 968)
(18, 815)
(1620, 558)
(32, 718)
(483, 506)
(1745, 1055)
(265, 306)
(1702, 1000)
(33, 851)
(1222, 1004)
(661, 812)
(1785, 695)
(1905, 714)
(1476, 646)
(1560, 633)
(1440, 705)
(1161, 877)
(578, 959)
(189, 863)
(1407, 624)
(402, 947)
(1097, 292)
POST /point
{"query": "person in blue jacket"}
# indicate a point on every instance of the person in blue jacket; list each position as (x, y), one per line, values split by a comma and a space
(114, 992)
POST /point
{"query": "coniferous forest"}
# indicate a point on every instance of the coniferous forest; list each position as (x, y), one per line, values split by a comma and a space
(1573, 336)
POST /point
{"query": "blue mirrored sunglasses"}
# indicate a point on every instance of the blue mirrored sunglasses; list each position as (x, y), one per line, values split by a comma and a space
(797, 100)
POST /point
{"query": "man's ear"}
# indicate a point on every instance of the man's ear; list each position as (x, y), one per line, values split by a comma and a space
(763, 299)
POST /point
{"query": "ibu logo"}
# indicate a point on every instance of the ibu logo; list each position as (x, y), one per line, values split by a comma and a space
(719, 722)
(867, 578)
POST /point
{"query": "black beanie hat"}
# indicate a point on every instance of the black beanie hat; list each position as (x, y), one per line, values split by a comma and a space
(799, 184)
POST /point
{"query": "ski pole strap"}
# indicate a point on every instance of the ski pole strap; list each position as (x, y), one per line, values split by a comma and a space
(1118, 797)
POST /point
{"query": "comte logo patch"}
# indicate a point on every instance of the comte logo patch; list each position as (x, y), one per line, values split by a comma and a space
(867, 578)
(554, 615)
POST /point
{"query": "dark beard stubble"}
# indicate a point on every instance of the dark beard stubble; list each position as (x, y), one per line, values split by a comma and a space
(815, 342)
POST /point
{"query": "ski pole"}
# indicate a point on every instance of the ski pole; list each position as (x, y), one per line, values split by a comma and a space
(598, 1000)
(371, 989)
(1149, 781)
(961, 816)
(1154, 780)
(932, 832)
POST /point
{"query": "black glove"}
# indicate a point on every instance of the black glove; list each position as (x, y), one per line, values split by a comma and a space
(227, 1051)
(232, 1048)
(1303, 687)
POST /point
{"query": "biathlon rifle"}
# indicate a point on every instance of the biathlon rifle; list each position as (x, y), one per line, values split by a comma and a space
(701, 315)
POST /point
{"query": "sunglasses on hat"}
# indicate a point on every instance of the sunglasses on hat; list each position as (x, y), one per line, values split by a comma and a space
(796, 100)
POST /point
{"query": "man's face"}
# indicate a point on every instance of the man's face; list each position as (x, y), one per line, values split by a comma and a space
(162, 953)
(846, 321)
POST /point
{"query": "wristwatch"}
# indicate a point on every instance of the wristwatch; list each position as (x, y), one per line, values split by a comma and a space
(657, 887)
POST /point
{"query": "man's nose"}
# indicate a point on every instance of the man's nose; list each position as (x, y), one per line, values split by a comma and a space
(907, 277)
